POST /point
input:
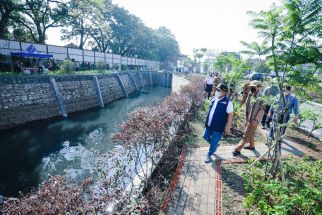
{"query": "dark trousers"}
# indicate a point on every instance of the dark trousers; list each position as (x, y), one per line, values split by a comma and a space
(209, 89)
(282, 128)
(266, 119)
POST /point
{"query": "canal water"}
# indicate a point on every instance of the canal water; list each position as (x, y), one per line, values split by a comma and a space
(32, 152)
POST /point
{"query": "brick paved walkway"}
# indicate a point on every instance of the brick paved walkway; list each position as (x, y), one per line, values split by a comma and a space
(177, 83)
(195, 190)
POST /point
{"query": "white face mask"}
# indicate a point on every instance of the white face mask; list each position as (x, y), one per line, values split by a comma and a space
(217, 94)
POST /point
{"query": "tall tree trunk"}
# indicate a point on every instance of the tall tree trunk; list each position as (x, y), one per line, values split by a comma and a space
(3, 23)
(39, 33)
(82, 34)
(277, 165)
(81, 42)
(42, 37)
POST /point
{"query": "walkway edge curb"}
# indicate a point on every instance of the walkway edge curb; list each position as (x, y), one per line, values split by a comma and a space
(218, 195)
(174, 181)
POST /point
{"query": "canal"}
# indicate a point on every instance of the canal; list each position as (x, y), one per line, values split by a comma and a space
(29, 154)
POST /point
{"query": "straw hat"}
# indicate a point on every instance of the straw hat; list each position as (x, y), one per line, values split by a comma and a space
(255, 84)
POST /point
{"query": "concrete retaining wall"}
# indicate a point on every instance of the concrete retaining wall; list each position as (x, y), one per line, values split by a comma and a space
(29, 98)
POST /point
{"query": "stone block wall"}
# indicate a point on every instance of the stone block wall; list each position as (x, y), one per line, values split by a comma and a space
(128, 83)
(110, 88)
(29, 98)
(146, 79)
(137, 79)
(78, 93)
(25, 99)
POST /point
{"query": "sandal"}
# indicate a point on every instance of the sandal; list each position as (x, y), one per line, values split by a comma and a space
(249, 148)
(235, 153)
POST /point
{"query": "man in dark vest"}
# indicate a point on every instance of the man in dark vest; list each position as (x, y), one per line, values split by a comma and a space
(218, 120)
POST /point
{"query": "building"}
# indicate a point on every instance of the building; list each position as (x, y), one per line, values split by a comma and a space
(182, 63)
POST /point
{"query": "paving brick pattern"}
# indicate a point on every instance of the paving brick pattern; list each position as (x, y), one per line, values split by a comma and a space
(195, 191)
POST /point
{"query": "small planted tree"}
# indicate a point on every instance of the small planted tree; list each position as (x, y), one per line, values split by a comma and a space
(232, 67)
(254, 48)
(305, 81)
(314, 117)
(222, 63)
(291, 32)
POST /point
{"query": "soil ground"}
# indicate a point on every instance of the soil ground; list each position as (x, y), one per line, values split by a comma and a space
(300, 137)
(233, 188)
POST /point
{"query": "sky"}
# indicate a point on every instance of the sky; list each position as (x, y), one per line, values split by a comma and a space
(211, 24)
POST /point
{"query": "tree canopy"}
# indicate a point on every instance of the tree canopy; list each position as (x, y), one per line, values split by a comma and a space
(291, 32)
(93, 23)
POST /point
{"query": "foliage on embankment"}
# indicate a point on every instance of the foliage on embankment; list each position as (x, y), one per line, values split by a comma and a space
(144, 137)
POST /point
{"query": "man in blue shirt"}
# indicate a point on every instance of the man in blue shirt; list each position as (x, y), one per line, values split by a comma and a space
(270, 91)
(292, 103)
(218, 119)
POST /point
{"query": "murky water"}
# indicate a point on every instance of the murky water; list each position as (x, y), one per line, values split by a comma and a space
(28, 154)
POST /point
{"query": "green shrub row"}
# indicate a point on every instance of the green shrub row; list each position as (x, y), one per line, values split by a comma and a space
(300, 193)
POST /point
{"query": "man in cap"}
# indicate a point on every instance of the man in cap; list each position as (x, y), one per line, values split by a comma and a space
(255, 108)
(218, 119)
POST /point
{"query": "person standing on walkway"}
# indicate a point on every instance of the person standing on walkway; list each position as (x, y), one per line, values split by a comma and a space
(209, 84)
(255, 108)
(270, 91)
(292, 104)
(218, 119)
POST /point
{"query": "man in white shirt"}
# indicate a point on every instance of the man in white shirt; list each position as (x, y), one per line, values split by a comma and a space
(209, 84)
(218, 120)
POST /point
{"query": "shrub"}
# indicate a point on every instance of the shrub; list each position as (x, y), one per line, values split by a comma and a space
(67, 66)
(206, 104)
(195, 91)
(314, 116)
(237, 115)
(55, 196)
(100, 66)
(299, 194)
(144, 138)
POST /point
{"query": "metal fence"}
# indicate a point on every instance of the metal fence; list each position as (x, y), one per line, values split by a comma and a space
(61, 53)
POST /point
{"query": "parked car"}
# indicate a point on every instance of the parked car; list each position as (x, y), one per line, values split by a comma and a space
(255, 76)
